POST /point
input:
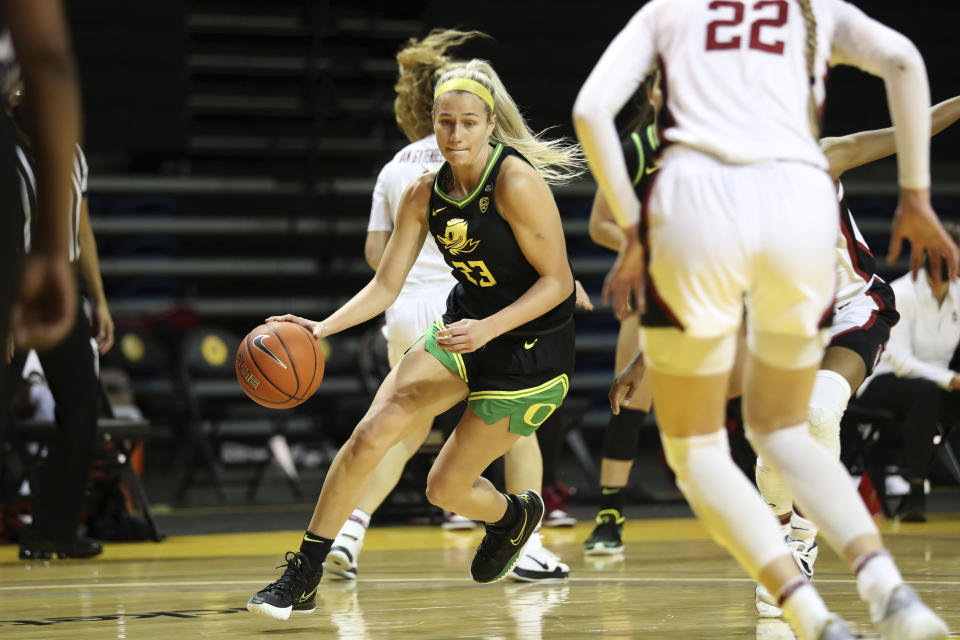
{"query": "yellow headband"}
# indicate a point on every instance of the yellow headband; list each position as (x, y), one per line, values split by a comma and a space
(465, 84)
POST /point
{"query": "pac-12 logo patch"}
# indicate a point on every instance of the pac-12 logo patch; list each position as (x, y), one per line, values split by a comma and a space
(455, 239)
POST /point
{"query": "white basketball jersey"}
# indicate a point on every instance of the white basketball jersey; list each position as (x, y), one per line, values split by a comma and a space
(736, 79)
(412, 161)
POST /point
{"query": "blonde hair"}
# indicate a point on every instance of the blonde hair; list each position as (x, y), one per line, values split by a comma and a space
(557, 160)
(421, 62)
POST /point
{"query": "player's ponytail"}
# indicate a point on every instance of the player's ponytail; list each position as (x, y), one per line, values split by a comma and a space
(421, 62)
(557, 160)
(810, 22)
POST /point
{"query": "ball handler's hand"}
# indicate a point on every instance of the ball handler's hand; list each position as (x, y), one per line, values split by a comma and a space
(916, 221)
(624, 283)
(314, 327)
(626, 383)
(464, 336)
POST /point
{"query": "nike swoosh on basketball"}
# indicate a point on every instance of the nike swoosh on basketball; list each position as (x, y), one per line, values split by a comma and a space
(529, 345)
(258, 343)
(306, 596)
(436, 211)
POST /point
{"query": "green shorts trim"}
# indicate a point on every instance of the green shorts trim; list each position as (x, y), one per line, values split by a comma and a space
(452, 361)
(527, 408)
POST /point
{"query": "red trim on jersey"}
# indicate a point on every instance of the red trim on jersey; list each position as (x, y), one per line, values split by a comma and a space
(851, 242)
(865, 248)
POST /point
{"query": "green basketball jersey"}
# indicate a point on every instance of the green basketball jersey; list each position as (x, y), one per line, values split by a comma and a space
(640, 150)
(478, 244)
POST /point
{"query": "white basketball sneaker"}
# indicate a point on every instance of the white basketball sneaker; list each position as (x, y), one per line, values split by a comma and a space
(455, 522)
(342, 559)
(805, 556)
(907, 618)
(538, 564)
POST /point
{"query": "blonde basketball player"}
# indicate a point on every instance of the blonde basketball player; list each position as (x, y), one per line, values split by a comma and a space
(743, 213)
(505, 342)
(421, 301)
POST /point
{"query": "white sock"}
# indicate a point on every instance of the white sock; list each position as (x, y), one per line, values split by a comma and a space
(877, 577)
(831, 392)
(725, 501)
(819, 483)
(802, 529)
(356, 525)
(804, 608)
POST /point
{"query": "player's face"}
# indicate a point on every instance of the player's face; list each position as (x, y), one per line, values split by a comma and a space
(462, 127)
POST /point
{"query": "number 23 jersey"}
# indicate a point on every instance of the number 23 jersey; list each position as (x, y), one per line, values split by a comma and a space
(479, 245)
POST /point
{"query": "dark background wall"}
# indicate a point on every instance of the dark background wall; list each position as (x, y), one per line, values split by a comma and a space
(142, 62)
(233, 146)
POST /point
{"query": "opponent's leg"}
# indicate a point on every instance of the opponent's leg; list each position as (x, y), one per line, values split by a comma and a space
(342, 559)
(822, 487)
(620, 440)
(725, 500)
(840, 371)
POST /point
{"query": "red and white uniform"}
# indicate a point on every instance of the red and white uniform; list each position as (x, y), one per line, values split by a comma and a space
(743, 208)
(423, 297)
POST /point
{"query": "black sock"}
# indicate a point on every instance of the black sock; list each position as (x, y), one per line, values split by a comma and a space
(315, 548)
(509, 518)
(611, 498)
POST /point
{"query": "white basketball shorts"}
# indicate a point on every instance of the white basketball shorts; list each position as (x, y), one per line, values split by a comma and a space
(411, 314)
(722, 237)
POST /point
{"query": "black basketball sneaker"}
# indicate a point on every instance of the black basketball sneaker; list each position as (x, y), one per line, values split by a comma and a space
(500, 550)
(295, 590)
(607, 536)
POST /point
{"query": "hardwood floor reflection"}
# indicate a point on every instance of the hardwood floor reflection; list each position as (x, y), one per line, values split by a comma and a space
(413, 583)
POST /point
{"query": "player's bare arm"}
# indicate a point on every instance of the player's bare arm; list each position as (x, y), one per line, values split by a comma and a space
(398, 257)
(901, 66)
(857, 149)
(373, 247)
(603, 228)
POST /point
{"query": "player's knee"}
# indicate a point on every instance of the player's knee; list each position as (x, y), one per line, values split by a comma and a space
(674, 352)
(785, 351)
(622, 435)
(825, 428)
(440, 491)
(371, 438)
(683, 453)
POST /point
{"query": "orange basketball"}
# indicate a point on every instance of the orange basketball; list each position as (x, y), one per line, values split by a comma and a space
(279, 365)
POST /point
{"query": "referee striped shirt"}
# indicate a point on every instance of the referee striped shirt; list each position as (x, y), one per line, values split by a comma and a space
(28, 195)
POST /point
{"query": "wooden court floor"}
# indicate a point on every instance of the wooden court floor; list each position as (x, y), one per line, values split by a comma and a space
(672, 582)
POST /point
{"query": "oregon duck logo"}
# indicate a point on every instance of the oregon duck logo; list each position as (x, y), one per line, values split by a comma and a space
(484, 203)
(454, 238)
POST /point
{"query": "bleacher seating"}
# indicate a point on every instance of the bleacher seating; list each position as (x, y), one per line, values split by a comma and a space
(245, 190)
